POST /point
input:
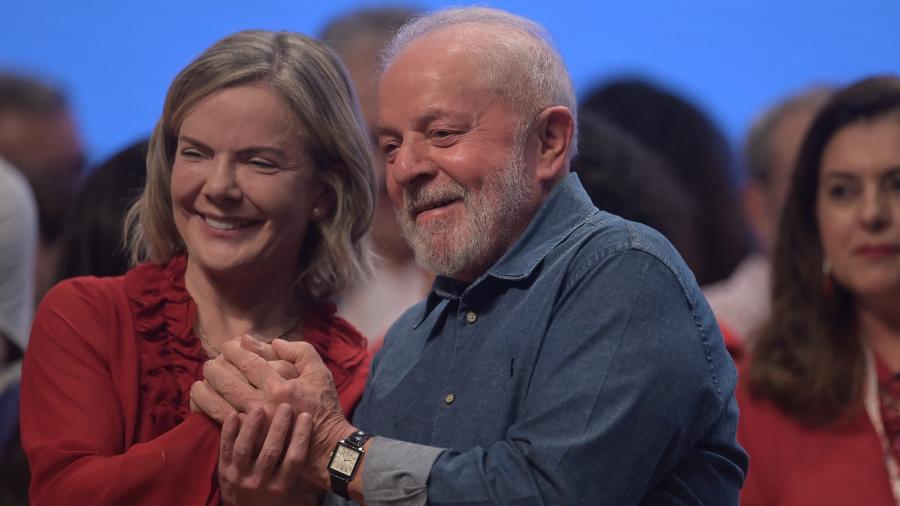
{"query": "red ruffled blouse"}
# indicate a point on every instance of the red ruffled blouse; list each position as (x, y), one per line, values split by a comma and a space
(106, 383)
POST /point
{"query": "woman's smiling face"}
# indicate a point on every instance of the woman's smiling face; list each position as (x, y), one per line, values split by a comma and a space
(243, 183)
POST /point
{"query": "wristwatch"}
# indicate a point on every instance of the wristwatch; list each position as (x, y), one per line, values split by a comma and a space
(345, 459)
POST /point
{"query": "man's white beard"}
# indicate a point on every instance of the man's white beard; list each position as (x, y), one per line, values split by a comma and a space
(484, 232)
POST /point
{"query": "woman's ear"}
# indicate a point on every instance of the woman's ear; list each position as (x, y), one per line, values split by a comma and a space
(323, 203)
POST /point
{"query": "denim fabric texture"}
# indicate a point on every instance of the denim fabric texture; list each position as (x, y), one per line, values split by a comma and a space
(585, 367)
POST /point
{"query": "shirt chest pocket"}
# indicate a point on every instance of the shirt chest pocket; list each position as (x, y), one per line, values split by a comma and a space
(480, 401)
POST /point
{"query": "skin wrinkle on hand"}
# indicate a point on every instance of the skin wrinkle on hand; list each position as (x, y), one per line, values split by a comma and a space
(264, 389)
(226, 387)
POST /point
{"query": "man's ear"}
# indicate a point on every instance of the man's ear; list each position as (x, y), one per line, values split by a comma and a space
(554, 129)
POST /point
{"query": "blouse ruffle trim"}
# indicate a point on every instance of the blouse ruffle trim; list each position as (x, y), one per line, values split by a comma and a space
(171, 357)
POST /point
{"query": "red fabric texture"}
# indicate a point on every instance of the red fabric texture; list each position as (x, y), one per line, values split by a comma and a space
(889, 397)
(733, 343)
(106, 383)
(794, 465)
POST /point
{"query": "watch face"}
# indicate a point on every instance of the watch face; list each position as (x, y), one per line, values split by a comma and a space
(344, 460)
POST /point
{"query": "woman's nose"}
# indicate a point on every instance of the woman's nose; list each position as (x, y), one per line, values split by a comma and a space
(875, 212)
(221, 181)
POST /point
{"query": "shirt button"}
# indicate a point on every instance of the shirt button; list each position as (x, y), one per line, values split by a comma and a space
(471, 316)
(448, 400)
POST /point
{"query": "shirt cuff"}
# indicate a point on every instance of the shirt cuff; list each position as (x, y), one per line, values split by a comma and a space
(397, 473)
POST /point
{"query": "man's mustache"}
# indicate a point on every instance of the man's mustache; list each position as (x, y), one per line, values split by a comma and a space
(423, 197)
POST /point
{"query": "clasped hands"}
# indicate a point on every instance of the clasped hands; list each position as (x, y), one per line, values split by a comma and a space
(280, 419)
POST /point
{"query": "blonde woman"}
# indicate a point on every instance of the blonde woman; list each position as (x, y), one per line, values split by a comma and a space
(259, 191)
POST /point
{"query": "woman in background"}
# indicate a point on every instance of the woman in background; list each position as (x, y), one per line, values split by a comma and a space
(92, 239)
(695, 153)
(259, 190)
(820, 401)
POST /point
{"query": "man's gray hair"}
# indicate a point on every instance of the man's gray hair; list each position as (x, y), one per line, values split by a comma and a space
(379, 22)
(522, 63)
(758, 148)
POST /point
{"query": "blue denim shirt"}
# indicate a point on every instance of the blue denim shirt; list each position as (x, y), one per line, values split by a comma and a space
(584, 367)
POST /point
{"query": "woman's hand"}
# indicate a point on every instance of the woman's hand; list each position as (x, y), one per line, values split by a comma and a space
(271, 477)
(285, 369)
(216, 407)
(257, 386)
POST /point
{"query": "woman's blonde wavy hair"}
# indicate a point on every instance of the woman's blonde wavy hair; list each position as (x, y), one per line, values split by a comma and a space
(311, 79)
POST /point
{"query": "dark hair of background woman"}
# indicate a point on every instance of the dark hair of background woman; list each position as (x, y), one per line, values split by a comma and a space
(93, 236)
(808, 360)
(625, 178)
(697, 155)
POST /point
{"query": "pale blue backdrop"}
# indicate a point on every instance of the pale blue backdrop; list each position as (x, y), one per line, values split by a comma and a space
(117, 57)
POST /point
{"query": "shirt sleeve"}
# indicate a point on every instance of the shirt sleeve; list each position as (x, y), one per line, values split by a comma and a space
(631, 400)
(397, 472)
(77, 422)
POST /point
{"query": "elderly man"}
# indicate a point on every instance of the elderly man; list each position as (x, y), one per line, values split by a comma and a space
(563, 356)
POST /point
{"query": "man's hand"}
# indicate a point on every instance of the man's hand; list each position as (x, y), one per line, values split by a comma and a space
(209, 402)
(241, 380)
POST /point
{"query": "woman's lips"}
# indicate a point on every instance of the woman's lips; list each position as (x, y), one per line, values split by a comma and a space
(878, 250)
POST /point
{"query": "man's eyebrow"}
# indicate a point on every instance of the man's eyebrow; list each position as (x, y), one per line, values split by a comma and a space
(429, 115)
(381, 130)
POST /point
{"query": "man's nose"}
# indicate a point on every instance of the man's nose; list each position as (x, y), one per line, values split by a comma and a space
(410, 162)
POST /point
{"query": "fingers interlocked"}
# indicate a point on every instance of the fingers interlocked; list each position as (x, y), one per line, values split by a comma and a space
(258, 473)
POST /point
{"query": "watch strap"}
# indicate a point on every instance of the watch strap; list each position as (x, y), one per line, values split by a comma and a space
(339, 481)
(358, 439)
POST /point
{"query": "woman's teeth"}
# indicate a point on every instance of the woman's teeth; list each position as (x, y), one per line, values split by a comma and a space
(225, 225)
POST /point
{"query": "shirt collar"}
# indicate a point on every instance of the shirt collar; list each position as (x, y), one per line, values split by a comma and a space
(564, 210)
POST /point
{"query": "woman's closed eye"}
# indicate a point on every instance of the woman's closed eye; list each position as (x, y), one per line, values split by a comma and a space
(263, 163)
(189, 152)
(266, 164)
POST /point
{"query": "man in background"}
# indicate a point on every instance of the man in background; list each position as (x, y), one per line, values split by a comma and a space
(398, 282)
(38, 137)
(742, 301)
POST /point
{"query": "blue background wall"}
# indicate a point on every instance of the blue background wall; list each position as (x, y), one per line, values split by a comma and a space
(117, 57)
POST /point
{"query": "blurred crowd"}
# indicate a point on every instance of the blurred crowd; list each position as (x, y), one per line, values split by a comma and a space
(794, 236)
